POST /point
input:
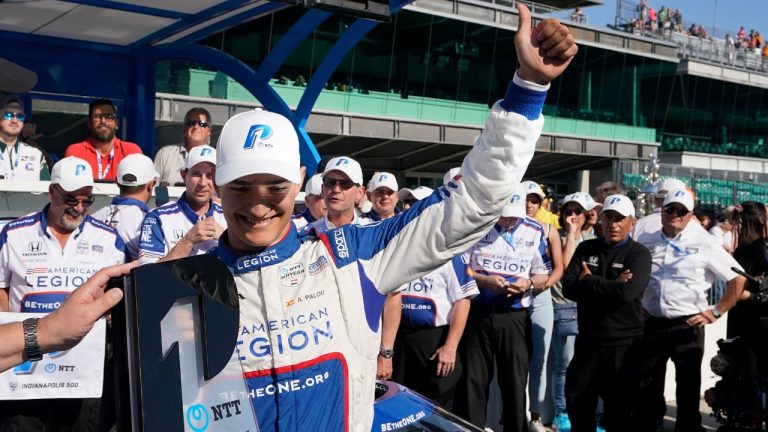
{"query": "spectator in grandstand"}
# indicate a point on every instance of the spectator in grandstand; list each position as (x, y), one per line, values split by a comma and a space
(653, 20)
(190, 225)
(425, 354)
(744, 320)
(607, 277)
(508, 264)
(342, 190)
(652, 222)
(605, 189)
(730, 47)
(541, 312)
(170, 159)
(678, 17)
(408, 197)
(685, 262)
(741, 35)
(723, 230)
(136, 177)
(314, 202)
(765, 58)
(573, 218)
(102, 149)
(69, 245)
(578, 16)
(382, 193)
(18, 160)
(66, 326)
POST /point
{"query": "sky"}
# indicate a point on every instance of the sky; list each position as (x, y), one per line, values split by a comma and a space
(730, 13)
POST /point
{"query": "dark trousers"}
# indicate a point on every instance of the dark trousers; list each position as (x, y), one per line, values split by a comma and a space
(412, 367)
(502, 335)
(665, 339)
(610, 372)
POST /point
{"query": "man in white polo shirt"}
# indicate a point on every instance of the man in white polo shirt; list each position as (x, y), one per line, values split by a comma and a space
(342, 190)
(313, 200)
(136, 177)
(382, 193)
(685, 262)
(190, 225)
(43, 258)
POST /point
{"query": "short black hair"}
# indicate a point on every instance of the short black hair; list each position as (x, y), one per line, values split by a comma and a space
(199, 110)
(100, 102)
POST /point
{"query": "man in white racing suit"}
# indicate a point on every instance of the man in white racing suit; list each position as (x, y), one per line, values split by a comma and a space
(311, 305)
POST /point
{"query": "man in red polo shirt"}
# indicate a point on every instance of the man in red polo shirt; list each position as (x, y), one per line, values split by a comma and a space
(102, 149)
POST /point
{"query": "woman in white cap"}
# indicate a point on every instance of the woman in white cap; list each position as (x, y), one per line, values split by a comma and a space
(542, 312)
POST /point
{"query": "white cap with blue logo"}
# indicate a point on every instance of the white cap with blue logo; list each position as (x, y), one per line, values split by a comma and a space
(72, 173)
(516, 205)
(203, 153)
(350, 167)
(258, 142)
(683, 197)
(383, 179)
(136, 170)
(620, 204)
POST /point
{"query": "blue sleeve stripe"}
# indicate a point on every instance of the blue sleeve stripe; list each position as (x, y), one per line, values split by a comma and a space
(461, 270)
(527, 103)
(369, 240)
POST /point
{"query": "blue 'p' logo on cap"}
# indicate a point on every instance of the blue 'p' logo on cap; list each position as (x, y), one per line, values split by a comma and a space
(614, 200)
(79, 169)
(382, 177)
(516, 198)
(256, 135)
(342, 161)
(679, 193)
(206, 151)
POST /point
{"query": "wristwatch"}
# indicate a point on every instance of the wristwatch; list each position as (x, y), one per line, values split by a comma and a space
(716, 312)
(31, 348)
(386, 352)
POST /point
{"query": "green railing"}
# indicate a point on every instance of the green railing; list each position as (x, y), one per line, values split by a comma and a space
(712, 191)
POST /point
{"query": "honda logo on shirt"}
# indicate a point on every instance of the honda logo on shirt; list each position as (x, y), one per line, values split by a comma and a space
(34, 246)
(178, 234)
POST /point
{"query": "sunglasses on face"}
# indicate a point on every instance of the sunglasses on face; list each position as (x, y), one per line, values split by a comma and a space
(8, 115)
(410, 202)
(73, 202)
(678, 211)
(104, 117)
(571, 211)
(330, 183)
(193, 123)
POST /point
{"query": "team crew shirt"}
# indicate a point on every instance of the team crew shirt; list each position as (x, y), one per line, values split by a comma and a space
(683, 270)
(22, 162)
(302, 219)
(323, 224)
(164, 226)
(39, 274)
(517, 253)
(428, 301)
(126, 216)
(311, 304)
(104, 168)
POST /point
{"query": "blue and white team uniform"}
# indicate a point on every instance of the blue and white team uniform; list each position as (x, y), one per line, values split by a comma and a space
(164, 226)
(427, 309)
(323, 224)
(125, 215)
(311, 304)
(39, 274)
(497, 325)
(302, 219)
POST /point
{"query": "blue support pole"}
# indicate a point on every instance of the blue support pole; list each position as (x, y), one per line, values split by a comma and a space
(141, 108)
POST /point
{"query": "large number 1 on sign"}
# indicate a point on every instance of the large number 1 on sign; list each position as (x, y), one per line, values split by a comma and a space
(181, 320)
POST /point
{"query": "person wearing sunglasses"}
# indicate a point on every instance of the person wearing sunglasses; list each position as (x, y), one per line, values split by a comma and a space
(314, 202)
(342, 190)
(43, 258)
(102, 149)
(18, 160)
(652, 222)
(686, 261)
(170, 159)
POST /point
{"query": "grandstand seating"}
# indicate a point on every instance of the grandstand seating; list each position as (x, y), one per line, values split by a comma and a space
(711, 191)
(705, 145)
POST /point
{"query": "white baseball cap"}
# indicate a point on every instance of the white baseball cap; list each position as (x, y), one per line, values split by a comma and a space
(72, 173)
(516, 205)
(620, 204)
(453, 172)
(532, 187)
(140, 167)
(383, 179)
(258, 142)
(680, 196)
(669, 184)
(581, 198)
(203, 153)
(346, 165)
(314, 186)
(419, 193)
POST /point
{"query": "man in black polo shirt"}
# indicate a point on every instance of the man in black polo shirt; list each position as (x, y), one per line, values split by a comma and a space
(607, 277)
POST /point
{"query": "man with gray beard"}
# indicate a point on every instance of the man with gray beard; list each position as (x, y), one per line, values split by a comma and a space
(43, 258)
(102, 149)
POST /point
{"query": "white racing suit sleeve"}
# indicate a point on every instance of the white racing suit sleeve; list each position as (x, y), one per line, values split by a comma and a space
(400, 249)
